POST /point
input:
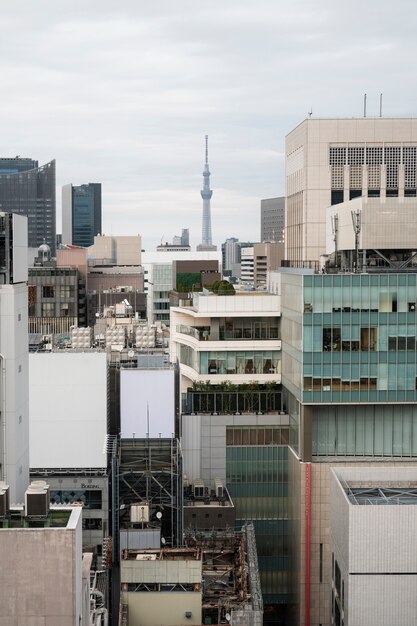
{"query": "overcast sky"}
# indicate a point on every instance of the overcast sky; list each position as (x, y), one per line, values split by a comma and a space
(123, 93)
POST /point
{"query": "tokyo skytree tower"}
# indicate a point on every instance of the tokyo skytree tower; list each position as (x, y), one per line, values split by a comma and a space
(206, 194)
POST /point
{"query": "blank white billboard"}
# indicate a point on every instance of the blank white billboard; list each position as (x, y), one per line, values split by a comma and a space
(67, 409)
(147, 403)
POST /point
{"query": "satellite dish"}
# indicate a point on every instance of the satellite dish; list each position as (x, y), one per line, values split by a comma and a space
(131, 354)
(227, 616)
(163, 541)
(159, 515)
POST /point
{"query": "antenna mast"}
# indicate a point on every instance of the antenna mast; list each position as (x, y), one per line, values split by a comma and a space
(356, 221)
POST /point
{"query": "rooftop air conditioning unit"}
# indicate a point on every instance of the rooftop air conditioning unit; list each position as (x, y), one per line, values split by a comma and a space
(199, 489)
(139, 513)
(4, 499)
(218, 485)
(37, 499)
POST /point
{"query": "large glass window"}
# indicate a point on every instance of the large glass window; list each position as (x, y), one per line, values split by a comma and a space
(257, 362)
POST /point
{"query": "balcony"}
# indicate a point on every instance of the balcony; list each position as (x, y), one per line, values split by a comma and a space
(249, 333)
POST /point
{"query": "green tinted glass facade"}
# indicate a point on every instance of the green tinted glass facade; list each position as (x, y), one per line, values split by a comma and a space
(359, 338)
(350, 352)
(257, 479)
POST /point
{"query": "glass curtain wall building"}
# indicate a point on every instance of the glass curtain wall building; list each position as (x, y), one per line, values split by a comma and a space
(29, 189)
(350, 359)
(81, 213)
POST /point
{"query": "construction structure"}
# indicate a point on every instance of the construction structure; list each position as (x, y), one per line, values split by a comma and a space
(212, 580)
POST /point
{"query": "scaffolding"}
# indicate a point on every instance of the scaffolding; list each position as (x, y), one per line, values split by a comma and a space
(150, 470)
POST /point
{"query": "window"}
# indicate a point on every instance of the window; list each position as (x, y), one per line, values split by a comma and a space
(48, 309)
(67, 291)
(48, 291)
(331, 339)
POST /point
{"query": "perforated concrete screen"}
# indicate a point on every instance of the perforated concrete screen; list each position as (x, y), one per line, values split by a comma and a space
(147, 403)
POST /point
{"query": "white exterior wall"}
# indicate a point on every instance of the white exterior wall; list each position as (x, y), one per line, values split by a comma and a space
(14, 387)
(67, 213)
(147, 394)
(20, 249)
(247, 263)
(373, 547)
(385, 223)
(68, 416)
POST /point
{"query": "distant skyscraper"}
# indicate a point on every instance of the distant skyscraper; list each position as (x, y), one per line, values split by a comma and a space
(81, 213)
(231, 257)
(29, 190)
(272, 219)
(206, 193)
(185, 237)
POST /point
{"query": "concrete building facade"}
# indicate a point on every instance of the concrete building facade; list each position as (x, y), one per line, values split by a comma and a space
(331, 161)
(14, 366)
(227, 338)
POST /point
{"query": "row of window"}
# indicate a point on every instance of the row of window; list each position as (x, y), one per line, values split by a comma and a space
(256, 436)
(64, 291)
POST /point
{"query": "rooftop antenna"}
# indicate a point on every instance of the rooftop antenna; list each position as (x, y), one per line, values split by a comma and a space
(206, 149)
(356, 221)
(364, 104)
(335, 231)
(310, 113)
(380, 105)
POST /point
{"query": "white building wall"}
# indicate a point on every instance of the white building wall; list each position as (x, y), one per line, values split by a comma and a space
(68, 417)
(14, 388)
(147, 403)
(67, 213)
(371, 544)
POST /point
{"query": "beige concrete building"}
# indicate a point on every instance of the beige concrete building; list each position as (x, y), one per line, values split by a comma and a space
(266, 257)
(332, 161)
(42, 584)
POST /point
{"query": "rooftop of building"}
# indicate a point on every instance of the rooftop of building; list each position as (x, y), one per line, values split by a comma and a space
(379, 119)
(381, 494)
(57, 517)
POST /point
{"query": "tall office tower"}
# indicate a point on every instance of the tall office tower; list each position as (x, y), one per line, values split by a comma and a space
(206, 194)
(273, 219)
(331, 161)
(81, 214)
(27, 189)
(14, 394)
(231, 257)
(185, 237)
